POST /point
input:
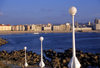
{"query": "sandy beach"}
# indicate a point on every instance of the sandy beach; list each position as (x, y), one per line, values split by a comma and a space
(22, 32)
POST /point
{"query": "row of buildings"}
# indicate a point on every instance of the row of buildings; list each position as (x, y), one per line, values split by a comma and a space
(88, 26)
(35, 27)
(49, 27)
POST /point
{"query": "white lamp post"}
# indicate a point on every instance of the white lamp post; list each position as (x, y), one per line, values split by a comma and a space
(74, 63)
(41, 62)
(26, 64)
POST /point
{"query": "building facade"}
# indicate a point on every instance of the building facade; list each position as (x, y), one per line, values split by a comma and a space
(14, 28)
(33, 26)
(97, 24)
(97, 21)
(47, 27)
(62, 27)
(83, 29)
(27, 27)
(68, 27)
(18, 28)
(38, 28)
(5, 27)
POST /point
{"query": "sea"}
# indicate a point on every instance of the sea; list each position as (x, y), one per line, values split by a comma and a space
(87, 42)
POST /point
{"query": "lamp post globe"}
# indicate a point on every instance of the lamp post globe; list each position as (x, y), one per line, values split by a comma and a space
(73, 10)
(41, 38)
(25, 47)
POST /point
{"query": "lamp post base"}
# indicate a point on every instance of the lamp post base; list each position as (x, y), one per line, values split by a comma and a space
(26, 64)
(42, 64)
(74, 63)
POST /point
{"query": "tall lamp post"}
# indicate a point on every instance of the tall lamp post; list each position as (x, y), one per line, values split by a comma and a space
(74, 63)
(41, 62)
(26, 64)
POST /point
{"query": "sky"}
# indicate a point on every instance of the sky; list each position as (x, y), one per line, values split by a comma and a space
(47, 11)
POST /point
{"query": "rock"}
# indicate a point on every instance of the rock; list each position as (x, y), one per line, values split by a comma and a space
(56, 63)
(3, 41)
(64, 61)
(2, 65)
(52, 58)
(86, 59)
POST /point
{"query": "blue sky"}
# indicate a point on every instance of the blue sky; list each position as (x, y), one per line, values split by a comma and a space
(44, 11)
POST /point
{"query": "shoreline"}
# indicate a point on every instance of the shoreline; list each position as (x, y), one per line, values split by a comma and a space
(23, 32)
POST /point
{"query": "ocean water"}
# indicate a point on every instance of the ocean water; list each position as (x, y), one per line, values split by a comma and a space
(87, 42)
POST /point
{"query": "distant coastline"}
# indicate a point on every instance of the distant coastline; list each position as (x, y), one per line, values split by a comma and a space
(23, 32)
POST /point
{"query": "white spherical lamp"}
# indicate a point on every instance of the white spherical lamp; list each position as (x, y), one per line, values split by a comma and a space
(73, 11)
(41, 38)
(25, 47)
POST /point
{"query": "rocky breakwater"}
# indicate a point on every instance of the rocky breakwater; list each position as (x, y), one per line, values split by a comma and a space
(61, 59)
(18, 58)
(3, 65)
(52, 58)
(2, 41)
